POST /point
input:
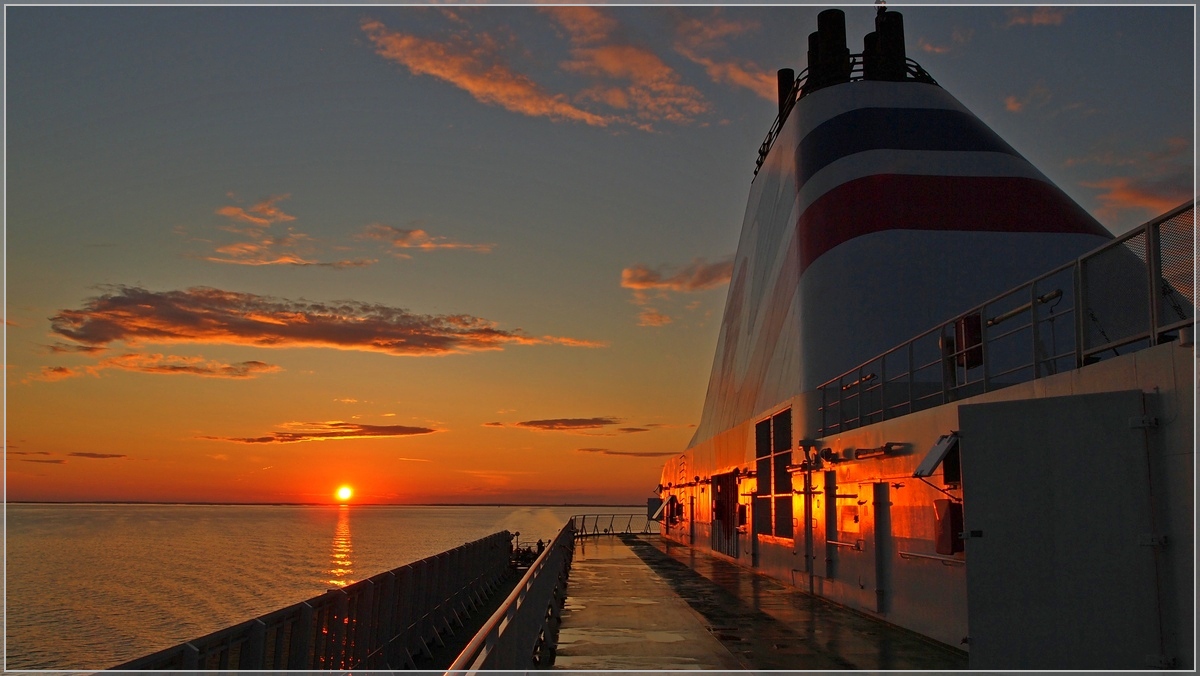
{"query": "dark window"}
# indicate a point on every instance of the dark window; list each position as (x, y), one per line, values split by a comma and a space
(951, 469)
(762, 439)
(773, 450)
(783, 516)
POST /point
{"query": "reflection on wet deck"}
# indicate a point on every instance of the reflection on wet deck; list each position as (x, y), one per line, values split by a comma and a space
(644, 603)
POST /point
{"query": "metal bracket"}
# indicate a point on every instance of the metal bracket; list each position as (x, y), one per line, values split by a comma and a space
(1148, 422)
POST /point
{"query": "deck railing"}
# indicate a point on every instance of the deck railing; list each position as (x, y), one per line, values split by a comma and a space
(522, 633)
(382, 622)
(1132, 293)
(590, 525)
(800, 89)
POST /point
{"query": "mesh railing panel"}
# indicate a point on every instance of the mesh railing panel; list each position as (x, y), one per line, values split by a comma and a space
(1116, 294)
(1176, 295)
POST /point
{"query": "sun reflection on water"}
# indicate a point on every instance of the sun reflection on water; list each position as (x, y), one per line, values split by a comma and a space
(340, 565)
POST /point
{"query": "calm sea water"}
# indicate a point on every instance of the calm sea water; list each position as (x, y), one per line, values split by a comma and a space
(92, 586)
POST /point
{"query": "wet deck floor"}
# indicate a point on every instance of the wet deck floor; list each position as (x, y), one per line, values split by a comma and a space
(644, 603)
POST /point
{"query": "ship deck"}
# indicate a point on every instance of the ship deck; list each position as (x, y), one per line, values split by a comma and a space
(640, 602)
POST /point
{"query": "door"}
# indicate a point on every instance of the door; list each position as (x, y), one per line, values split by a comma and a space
(725, 514)
(1060, 544)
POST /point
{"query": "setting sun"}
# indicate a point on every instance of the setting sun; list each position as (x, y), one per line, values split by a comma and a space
(344, 493)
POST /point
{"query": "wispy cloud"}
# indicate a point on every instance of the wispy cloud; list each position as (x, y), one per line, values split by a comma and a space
(48, 462)
(97, 456)
(474, 65)
(1037, 97)
(1148, 196)
(631, 454)
(207, 315)
(264, 213)
(699, 37)
(627, 76)
(66, 348)
(648, 316)
(12, 452)
(698, 275)
(1036, 16)
(297, 432)
(567, 424)
(257, 245)
(415, 238)
(1148, 182)
(161, 364)
(959, 38)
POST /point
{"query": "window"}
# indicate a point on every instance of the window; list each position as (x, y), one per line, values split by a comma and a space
(773, 454)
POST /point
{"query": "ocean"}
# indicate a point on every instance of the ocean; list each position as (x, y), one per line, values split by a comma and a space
(91, 586)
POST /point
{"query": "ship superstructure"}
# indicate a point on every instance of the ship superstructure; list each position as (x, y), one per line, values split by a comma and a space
(1008, 480)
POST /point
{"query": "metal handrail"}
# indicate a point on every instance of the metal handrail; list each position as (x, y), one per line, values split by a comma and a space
(381, 622)
(616, 523)
(513, 636)
(800, 89)
(958, 380)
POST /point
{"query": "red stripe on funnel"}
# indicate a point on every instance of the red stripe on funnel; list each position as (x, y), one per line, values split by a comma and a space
(963, 203)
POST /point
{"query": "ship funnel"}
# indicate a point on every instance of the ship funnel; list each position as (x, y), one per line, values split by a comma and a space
(884, 57)
(828, 57)
(787, 79)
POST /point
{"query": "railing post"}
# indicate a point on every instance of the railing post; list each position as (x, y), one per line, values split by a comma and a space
(1153, 270)
(251, 655)
(299, 645)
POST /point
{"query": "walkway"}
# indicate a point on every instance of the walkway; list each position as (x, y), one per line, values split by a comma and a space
(644, 603)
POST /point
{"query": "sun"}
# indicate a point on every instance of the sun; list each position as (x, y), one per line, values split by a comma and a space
(344, 493)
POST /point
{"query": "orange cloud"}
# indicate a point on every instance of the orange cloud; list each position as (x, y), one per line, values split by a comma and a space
(1151, 197)
(401, 238)
(97, 456)
(470, 67)
(651, 317)
(206, 315)
(931, 48)
(586, 25)
(260, 248)
(697, 37)
(632, 454)
(263, 213)
(297, 432)
(698, 275)
(567, 424)
(1038, 16)
(157, 363)
(1037, 97)
(654, 91)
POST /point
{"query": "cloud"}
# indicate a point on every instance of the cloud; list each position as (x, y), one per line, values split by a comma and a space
(263, 213)
(296, 432)
(48, 462)
(97, 456)
(567, 424)
(625, 76)
(958, 38)
(472, 65)
(651, 317)
(1037, 96)
(414, 459)
(698, 275)
(401, 238)
(346, 401)
(632, 430)
(65, 348)
(698, 37)
(12, 452)
(162, 364)
(1149, 196)
(930, 48)
(1037, 16)
(633, 454)
(207, 315)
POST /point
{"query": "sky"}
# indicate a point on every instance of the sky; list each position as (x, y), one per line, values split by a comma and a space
(464, 254)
